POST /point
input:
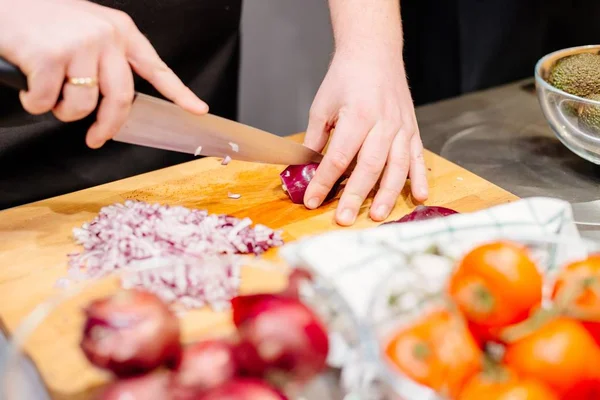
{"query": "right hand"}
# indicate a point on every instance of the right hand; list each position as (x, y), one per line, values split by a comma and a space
(51, 40)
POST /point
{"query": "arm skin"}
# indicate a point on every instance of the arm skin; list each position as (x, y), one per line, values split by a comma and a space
(367, 26)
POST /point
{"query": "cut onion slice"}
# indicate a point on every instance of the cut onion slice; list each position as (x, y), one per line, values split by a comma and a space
(422, 213)
(295, 180)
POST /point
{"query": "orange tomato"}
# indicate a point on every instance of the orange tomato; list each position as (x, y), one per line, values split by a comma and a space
(578, 288)
(504, 384)
(495, 285)
(437, 351)
(562, 354)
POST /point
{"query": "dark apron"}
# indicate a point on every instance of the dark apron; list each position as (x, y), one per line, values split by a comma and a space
(41, 157)
(457, 46)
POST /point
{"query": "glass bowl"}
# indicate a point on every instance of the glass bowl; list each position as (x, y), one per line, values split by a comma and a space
(417, 284)
(562, 109)
(44, 360)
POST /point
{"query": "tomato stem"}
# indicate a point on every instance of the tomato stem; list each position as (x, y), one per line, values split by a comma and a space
(484, 300)
(421, 351)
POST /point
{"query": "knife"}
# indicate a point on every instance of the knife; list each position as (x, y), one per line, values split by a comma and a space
(158, 123)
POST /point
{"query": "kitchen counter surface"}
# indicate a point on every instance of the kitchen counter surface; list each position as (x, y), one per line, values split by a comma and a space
(501, 135)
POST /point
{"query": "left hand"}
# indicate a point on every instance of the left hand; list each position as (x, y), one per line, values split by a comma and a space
(367, 100)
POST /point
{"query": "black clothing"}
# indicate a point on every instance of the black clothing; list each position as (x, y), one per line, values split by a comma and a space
(453, 47)
(42, 157)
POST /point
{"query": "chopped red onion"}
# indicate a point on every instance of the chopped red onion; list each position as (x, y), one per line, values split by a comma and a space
(226, 160)
(138, 233)
(198, 150)
(234, 146)
(192, 282)
(234, 195)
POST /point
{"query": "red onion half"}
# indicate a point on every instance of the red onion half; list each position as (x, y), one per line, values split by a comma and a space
(279, 336)
(243, 389)
(422, 213)
(295, 180)
(204, 366)
(131, 333)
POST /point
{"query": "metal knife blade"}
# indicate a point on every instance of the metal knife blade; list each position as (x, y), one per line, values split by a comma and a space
(160, 124)
(587, 213)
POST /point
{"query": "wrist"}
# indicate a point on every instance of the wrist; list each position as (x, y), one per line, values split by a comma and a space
(371, 51)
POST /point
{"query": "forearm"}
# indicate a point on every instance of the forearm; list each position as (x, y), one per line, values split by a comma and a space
(367, 26)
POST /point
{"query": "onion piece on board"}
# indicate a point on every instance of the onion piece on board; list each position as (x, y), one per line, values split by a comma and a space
(295, 180)
(422, 213)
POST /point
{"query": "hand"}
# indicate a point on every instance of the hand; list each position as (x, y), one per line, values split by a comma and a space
(53, 39)
(368, 101)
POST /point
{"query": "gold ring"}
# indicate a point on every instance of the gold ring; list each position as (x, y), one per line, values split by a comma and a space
(87, 81)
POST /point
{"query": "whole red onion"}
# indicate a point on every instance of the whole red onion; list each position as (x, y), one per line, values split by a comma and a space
(153, 386)
(422, 213)
(279, 336)
(204, 366)
(243, 389)
(130, 333)
(295, 180)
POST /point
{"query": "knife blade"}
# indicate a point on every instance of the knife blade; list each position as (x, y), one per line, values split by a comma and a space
(586, 213)
(158, 123)
(161, 124)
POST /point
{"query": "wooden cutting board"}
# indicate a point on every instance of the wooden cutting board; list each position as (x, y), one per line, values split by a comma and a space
(35, 239)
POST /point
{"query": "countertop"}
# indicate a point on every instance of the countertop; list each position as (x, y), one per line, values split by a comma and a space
(501, 135)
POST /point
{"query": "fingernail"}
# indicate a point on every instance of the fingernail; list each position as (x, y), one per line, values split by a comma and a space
(347, 217)
(382, 211)
(313, 203)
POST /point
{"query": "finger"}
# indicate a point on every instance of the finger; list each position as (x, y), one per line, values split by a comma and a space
(45, 83)
(116, 85)
(79, 101)
(418, 170)
(146, 62)
(317, 133)
(347, 139)
(371, 160)
(394, 177)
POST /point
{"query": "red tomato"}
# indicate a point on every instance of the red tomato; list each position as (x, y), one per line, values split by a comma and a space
(495, 285)
(504, 384)
(562, 354)
(438, 351)
(578, 290)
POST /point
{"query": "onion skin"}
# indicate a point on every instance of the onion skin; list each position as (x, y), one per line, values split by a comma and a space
(422, 213)
(243, 389)
(295, 180)
(131, 333)
(152, 386)
(204, 366)
(279, 336)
